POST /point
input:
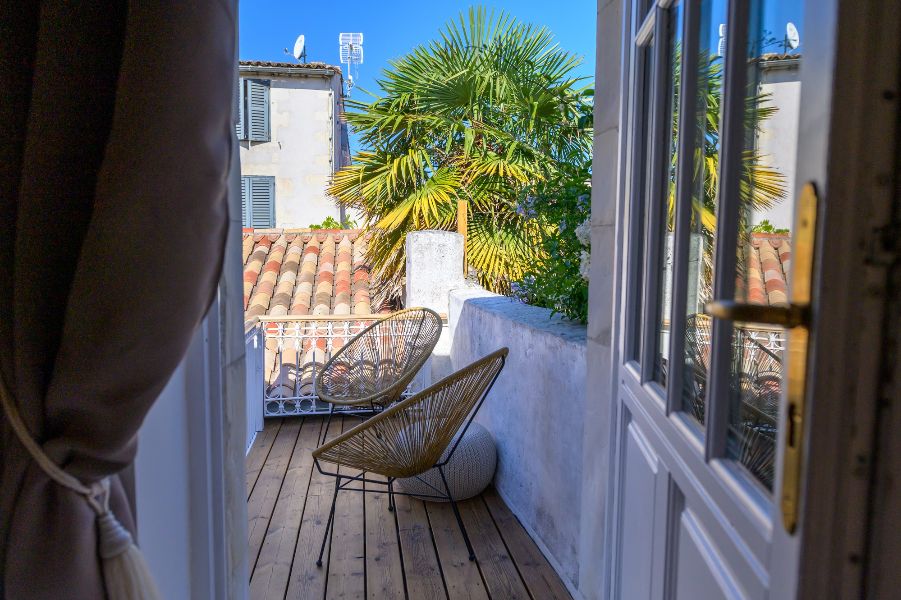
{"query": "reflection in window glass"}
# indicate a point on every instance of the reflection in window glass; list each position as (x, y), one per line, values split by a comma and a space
(767, 210)
(704, 197)
(665, 232)
(640, 182)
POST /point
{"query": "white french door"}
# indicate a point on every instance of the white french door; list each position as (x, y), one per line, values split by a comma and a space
(708, 431)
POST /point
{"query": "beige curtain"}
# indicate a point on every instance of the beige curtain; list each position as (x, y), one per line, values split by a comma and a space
(116, 140)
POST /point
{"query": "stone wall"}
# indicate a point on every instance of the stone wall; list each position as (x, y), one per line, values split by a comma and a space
(304, 150)
(535, 413)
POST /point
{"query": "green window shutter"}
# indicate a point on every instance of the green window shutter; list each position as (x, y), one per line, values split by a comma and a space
(245, 217)
(257, 110)
(239, 98)
(261, 212)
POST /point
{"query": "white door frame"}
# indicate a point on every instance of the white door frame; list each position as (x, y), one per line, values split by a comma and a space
(190, 479)
(860, 64)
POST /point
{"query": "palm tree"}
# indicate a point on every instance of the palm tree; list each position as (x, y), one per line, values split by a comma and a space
(761, 186)
(465, 125)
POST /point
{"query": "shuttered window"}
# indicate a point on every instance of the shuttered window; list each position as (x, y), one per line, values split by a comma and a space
(244, 220)
(258, 201)
(253, 110)
(257, 115)
(239, 100)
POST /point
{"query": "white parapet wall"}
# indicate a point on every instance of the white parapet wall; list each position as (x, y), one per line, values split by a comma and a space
(535, 413)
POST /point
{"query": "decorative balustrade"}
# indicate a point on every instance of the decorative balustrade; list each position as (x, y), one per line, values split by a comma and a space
(771, 339)
(294, 349)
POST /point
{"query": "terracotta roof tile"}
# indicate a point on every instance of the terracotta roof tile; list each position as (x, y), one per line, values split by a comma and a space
(289, 65)
(768, 260)
(303, 272)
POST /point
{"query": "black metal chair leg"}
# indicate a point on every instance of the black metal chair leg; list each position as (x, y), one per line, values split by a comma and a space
(330, 523)
(328, 421)
(472, 554)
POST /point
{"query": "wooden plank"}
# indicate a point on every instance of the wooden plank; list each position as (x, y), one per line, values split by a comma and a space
(347, 554)
(307, 580)
(262, 445)
(461, 575)
(540, 578)
(384, 571)
(273, 568)
(424, 581)
(265, 492)
(499, 571)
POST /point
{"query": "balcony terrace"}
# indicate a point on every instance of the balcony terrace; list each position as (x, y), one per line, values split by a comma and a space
(415, 552)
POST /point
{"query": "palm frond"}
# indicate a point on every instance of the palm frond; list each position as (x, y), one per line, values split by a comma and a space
(482, 111)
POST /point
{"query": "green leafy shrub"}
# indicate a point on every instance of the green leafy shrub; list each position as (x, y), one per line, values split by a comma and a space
(766, 227)
(332, 223)
(560, 281)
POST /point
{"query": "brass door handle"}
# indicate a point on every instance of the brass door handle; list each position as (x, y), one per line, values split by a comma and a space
(796, 317)
(791, 316)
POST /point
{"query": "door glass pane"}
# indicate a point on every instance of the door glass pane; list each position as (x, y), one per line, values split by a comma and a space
(666, 203)
(704, 198)
(641, 161)
(765, 238)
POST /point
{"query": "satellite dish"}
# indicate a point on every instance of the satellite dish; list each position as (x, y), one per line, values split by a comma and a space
(299, 47)
(791, 35)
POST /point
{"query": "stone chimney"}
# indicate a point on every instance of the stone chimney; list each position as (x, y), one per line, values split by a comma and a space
(434, 268)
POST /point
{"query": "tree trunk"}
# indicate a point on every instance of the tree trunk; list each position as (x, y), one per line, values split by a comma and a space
(462, 227)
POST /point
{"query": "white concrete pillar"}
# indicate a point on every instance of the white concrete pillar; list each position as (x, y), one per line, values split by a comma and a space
(434, 268)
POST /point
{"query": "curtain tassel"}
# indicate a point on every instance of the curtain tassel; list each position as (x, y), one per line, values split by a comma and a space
(125, 572)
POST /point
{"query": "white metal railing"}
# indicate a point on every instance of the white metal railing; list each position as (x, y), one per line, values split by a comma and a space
(294, 349)
(771, 339)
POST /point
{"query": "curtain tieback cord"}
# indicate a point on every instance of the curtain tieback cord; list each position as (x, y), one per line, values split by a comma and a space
(125, 572)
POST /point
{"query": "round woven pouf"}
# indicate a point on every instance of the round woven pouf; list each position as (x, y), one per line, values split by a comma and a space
(468, 473)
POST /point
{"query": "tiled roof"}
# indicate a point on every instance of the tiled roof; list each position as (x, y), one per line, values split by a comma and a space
(769, 262)
(770, 56)
(305, 272)
(289, 65)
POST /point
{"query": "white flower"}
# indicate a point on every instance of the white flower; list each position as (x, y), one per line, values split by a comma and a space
(583, 232)
(585, 264)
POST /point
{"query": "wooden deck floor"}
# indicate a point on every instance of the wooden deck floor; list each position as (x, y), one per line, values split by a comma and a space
(415, 552)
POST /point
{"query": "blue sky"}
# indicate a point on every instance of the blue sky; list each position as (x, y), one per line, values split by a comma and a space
(391, 28)
(774, 14)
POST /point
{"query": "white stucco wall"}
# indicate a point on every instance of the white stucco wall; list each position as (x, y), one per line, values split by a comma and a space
(304, 148)
(535, 413)
(778, 138)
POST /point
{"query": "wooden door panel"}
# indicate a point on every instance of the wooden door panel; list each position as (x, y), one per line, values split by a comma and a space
(637, 526)
(700, 572)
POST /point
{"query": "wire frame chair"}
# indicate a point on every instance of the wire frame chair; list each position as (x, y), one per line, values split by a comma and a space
(410, 437)
(375, 366)
(756, 374)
